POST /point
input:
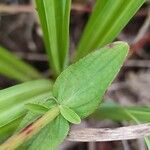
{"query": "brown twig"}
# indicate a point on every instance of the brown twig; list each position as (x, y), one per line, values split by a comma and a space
(138, 63)
(43, 57)
(14, 9)
(140, 44)
(144, 29)
(29, 9)
(107, 134)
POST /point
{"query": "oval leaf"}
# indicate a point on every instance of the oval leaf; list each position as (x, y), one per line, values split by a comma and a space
(82, 85)
(69, 115)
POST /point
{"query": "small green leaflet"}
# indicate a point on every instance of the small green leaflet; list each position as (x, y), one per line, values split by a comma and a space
(66, 112)
(82, 85)
(36, 108)
(41, 107)
(69, 115)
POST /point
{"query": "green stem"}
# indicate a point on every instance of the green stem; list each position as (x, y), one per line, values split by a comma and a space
(25, 134)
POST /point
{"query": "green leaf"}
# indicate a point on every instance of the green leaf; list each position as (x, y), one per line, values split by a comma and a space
(49, 137)
(108, 110)
(41, 107)
(140, 113)
(36, 108)
(13, 99)
(82, 85)
(69, 115)
(54, 17)
(8, 129)
(134, 118)
(108, 18)
(111, 110)
(62, 9)
(14, 68)
(147, 140)
(50, 103)
(29, 118)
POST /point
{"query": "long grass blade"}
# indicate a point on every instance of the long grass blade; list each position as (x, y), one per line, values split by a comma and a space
(107, 20)
(14, 68)
(54, 17)
(113, 111)
(138, 121)
(13, 99)
(8, 129)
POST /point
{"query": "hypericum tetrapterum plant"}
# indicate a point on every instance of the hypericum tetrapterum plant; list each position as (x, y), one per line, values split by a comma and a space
(38, 114)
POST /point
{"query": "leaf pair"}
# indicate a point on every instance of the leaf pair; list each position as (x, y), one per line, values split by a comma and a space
(65, 111)
(78, 92)
(88, 79)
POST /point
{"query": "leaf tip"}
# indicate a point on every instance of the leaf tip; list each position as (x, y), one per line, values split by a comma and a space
(123, 44)
(120, 46)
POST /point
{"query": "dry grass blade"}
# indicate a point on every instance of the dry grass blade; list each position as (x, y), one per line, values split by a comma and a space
(107, 134)
(14, 9)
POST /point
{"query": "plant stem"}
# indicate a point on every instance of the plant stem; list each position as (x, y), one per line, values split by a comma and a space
(25, 134)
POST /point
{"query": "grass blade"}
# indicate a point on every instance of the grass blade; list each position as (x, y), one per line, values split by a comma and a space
(13, 99)
(54, 17)
(8, 129)
(138, 121)
(62, 21)
(108, 110)
(107, 20)
(12, 67)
